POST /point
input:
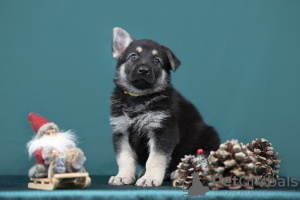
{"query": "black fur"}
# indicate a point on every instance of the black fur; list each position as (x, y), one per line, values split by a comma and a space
(182, 132)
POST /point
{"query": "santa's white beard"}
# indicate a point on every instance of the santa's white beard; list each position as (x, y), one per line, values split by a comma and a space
(62, 142)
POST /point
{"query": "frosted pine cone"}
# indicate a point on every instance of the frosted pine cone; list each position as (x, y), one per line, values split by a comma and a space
(190, 164)
(267, 164)
(231, 159)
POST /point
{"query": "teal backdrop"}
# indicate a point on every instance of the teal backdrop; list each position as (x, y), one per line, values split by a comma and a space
(240, 67)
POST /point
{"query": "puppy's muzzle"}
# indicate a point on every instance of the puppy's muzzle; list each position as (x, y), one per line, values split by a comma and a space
(143, 70)
(142, 77)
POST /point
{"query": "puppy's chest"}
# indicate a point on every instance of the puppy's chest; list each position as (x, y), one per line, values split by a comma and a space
(138, 118)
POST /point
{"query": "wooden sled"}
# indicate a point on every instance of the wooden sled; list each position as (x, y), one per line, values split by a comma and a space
(65, 180)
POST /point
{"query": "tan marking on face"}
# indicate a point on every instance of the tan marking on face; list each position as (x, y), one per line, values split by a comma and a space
(139, 49)
(154, 52)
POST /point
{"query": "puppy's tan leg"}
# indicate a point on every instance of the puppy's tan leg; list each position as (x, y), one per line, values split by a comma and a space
(155, 168)
(126, 162)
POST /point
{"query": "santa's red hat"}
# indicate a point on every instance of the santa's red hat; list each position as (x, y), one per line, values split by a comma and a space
(40, 124)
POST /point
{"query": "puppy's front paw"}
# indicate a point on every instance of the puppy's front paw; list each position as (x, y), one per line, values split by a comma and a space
(148, 182)
(117, 180)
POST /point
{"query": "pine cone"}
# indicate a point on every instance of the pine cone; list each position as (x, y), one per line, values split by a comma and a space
(186, 168)
(231, 159)
(267, 164)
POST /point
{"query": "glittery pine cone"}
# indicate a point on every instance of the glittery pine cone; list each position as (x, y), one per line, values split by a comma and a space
(186, 168)
(267, 164)
(232, 159)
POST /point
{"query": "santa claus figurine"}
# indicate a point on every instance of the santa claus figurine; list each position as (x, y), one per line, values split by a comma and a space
(49, 144)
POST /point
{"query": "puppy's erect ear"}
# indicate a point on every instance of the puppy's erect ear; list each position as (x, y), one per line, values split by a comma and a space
(174, 62)
(121, 40)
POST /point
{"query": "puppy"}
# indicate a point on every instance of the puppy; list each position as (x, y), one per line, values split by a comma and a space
(153, 124)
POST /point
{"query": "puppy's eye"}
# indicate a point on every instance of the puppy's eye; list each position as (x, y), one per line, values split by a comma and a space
(156, 61)
(133, 56)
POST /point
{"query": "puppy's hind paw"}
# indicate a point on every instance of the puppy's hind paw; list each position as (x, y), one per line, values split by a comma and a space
(148, 182)
(116, 180)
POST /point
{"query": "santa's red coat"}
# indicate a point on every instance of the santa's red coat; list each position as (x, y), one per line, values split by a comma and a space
(39, 157)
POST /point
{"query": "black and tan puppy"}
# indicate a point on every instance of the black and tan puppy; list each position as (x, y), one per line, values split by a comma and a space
(152, 123)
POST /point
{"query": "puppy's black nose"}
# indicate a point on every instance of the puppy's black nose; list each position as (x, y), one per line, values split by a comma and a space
(144, 70)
